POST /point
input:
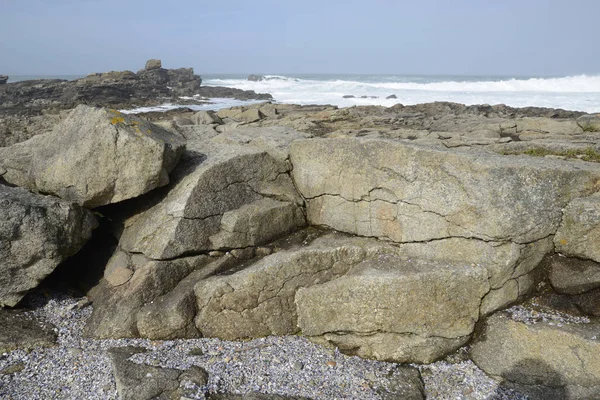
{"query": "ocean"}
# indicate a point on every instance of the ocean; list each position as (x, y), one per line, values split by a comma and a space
(579, 93)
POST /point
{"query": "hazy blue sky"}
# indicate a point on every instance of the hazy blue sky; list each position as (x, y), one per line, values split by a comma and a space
(502, 37)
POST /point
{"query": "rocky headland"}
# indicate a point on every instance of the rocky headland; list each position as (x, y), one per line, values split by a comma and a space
(281, 251)
(28, 107)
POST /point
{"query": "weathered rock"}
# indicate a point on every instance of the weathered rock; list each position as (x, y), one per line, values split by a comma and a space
(18, 331)
(348, 96)
(221, 179)
(117, 303)
(395, 309)
(145, 382)
(579, 232)
(391, 96)
(561, 357)
(404, 383)
(3, 79)
(153, 64)
(573, 275)
(97, 157)
(171, 315)
(36, 234)
(589, 122)
(259, 300)
(409, 193)
(257, 223)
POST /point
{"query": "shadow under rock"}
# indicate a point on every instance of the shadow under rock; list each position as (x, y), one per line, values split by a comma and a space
(532, 378)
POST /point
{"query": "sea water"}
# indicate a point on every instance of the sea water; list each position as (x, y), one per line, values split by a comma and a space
(581, 93)
(578, 93)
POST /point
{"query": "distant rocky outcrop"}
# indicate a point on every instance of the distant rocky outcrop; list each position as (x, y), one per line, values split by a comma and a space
(3, 79)
(255, 78)
(153, 64)
(119, 89)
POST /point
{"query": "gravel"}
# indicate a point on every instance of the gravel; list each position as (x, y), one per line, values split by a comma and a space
(530, 316)
(80, 368)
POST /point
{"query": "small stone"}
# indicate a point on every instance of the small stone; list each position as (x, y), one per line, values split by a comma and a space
(371, 376)
(12, 369)
(298, 366)
(216, 254)
(331, 364)
(196, 352)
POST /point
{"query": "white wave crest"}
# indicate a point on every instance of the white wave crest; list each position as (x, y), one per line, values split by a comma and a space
(581, 92)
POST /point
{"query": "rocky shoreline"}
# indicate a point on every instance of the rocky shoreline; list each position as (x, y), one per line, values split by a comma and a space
(281, 251)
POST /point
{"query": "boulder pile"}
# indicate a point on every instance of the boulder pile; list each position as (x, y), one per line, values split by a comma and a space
(389, 234)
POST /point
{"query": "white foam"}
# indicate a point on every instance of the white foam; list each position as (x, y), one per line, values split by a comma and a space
(580, 92)
(213, 104)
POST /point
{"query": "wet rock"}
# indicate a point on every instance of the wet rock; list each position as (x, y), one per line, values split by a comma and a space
(37, 233)
(3, 79)
(391, 96)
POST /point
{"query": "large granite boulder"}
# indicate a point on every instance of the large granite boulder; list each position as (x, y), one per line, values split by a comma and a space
(225, 200)
(223, 194)
(542, 357)
(36, 234)
(360, 295)
(96, 157)
(259, 300)
(395, 309)
(410, 193)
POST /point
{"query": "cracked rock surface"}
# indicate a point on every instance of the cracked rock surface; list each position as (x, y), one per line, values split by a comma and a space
(36, 234)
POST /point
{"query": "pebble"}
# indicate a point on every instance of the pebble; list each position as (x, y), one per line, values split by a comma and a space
(79, 368)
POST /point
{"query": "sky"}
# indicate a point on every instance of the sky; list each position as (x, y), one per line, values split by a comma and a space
(450, 37)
